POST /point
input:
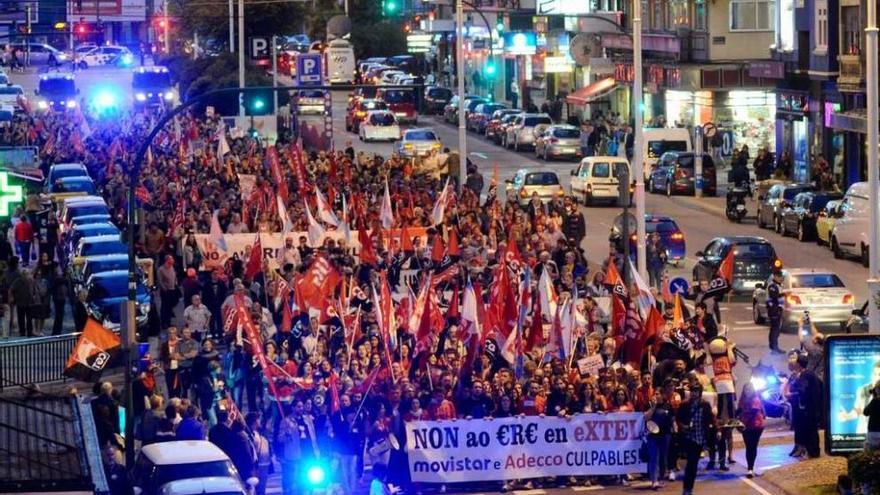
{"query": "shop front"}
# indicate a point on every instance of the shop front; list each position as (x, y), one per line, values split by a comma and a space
(793, 130)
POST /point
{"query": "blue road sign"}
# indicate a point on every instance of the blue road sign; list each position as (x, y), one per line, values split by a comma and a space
(308, 69)
(678, 285)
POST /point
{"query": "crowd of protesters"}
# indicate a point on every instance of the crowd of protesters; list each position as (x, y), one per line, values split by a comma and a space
(240, 358)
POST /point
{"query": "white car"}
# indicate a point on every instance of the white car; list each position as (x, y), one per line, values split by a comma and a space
(160, 464)
(818, 292)
(12, 95)
(106, 55)
(418, 142)
(597, 178)
(212, 485)
(389, 75)
(379, 125)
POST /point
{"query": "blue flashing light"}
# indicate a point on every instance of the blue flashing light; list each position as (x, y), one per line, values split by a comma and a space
(316, 474)
(105, 100)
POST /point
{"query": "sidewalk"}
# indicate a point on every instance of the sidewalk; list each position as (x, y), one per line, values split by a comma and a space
(807, 476)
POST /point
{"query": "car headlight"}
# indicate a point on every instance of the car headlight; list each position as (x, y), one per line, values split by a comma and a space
(127, 59)
(43, 104)
(71, 103)
(169, 96)
(62, 56)
(140, 97)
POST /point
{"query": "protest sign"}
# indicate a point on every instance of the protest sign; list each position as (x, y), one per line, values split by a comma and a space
(247, 183)
(590, 365)
(524, 447)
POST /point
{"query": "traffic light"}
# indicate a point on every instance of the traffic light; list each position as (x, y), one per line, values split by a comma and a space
(390, 8)
(499, 26)
(490, 69)
(82, 29)
(257, 105)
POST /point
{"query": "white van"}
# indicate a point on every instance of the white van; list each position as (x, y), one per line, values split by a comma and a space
(596, 178)
(849, 237)
(341, 67)
(655, 142)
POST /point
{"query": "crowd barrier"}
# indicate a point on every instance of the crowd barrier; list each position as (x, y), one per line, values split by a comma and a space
(34, 360)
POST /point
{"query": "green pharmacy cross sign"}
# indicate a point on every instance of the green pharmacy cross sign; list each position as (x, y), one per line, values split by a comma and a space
(9, 193)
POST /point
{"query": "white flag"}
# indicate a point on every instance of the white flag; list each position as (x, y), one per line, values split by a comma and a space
(547, 295)
(345, 227)
(386, 214)
(645, 299)
(325, 213)
(286, 224)
(222, 145)
(216, 234)
(470, 322)
(440, 206)
(316, 231)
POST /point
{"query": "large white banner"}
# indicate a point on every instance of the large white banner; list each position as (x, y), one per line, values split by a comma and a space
(272, 244)
(524, 447)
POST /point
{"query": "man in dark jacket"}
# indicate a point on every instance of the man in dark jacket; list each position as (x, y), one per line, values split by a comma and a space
(214, 292)
(474, 180)
(805, 397)
(574, 226)
(105, 410)
(695, 420)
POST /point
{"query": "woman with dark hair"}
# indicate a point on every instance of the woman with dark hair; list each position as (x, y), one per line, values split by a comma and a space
(750, 412)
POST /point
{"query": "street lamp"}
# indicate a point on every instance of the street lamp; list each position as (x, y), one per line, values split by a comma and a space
(873, 176)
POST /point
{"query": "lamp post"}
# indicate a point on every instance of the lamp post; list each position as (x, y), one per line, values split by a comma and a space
(873, 172)
(459, 63)
(241, 57)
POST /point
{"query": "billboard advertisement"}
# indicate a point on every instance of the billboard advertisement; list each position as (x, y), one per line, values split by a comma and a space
(853, 370)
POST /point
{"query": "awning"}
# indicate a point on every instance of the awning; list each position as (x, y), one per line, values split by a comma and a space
(855, 120)
(592, 92)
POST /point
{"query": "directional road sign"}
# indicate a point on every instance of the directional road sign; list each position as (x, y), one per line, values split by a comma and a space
(678, 285)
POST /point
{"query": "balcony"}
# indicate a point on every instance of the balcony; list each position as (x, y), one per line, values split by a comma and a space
(851, 70)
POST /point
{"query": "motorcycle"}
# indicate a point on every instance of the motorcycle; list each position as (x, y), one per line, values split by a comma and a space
(736, 202)
(770, 385)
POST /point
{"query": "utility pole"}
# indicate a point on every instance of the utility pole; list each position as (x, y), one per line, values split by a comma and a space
(638, 158)
(275, 74)
(459, 65)
(231, 28)
(167, 27)
(241, 56)
(873, 172)
(27, 39)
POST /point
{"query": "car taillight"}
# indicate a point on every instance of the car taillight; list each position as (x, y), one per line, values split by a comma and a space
(678, 236)
(680, 174)
(792, 300)
(560, 192)
(777, 263)
(848, 298)
(360, 114)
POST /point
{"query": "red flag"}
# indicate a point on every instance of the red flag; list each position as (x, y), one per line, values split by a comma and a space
(333, 383)
(536, 332)
(725, 269)
(255, 260)
(453, 311)
(367, 254)
(632, 336)
(286, 317)
(452, 249)
(406, 244)
(318, 283)
(143, 195)
(256, 344)
(512, 252)
(437, 249)
(277, 176)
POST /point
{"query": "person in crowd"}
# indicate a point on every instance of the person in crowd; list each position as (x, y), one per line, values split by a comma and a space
(185, 351)
(805, 396)
(298, 445)
(694, 419)
(263, 465)
(191, 426)
(660, 418)
(24, 238)
(21, 296)
(872, 411)
(169, 290)
(105, 409)
(750, 412)
(197, 317)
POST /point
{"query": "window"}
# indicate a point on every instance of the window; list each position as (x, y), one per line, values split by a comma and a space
(657, 16)
(700, 15)
(679, 14)
(752, 15)
(821, 25)
(852, 31)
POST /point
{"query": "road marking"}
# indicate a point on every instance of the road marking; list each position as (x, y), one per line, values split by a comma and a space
(587, 488)
(772, 466)
(758, 488)
(743, 322)
(479, 155)
(749, 327)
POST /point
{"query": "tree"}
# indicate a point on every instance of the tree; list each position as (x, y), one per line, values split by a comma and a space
(210, 18)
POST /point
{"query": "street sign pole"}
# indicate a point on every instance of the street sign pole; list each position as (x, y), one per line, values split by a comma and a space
(274, 53)
(698, 161)
(873, 159)
(459, 65)
(638, 157)
(240, 56)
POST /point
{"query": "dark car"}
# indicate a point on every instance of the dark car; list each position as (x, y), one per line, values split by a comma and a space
(450, 111)
(479, 118)
(106, 291)
(71, 239)
(674, 174)
(777, 199)
(497, 120)
(152, 86)
(754, 259)
(436, 99)
(671, 237)
(358, 112)
(800, 218)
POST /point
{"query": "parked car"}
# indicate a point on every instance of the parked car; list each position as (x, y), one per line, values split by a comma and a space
(104, 293)
(161, 463)
(67, 187)
(62, 170)
(400, 101)
(825, 220)
(522, 132)
(777, 199)
(12, 95)
(86, 230)
(817, 291)
(479, 118)
(209, 485)
(90, 209)
(97, 246)
(597, 178)
(450, 111)
(671, 236)
(379, 125)
(849, 237)
(497, 131)
(493, 125)
(358, 112)
(674, 174)
(418, 142)
(526, 183)
(657, 141)
(558, 141)
(97, 264)
(800, 218)
(754, 259)
(436, 99)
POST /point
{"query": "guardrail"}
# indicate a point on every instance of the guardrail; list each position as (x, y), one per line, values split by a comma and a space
(34, 360)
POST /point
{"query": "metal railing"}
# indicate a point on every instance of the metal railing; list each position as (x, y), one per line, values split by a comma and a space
(34, 360)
